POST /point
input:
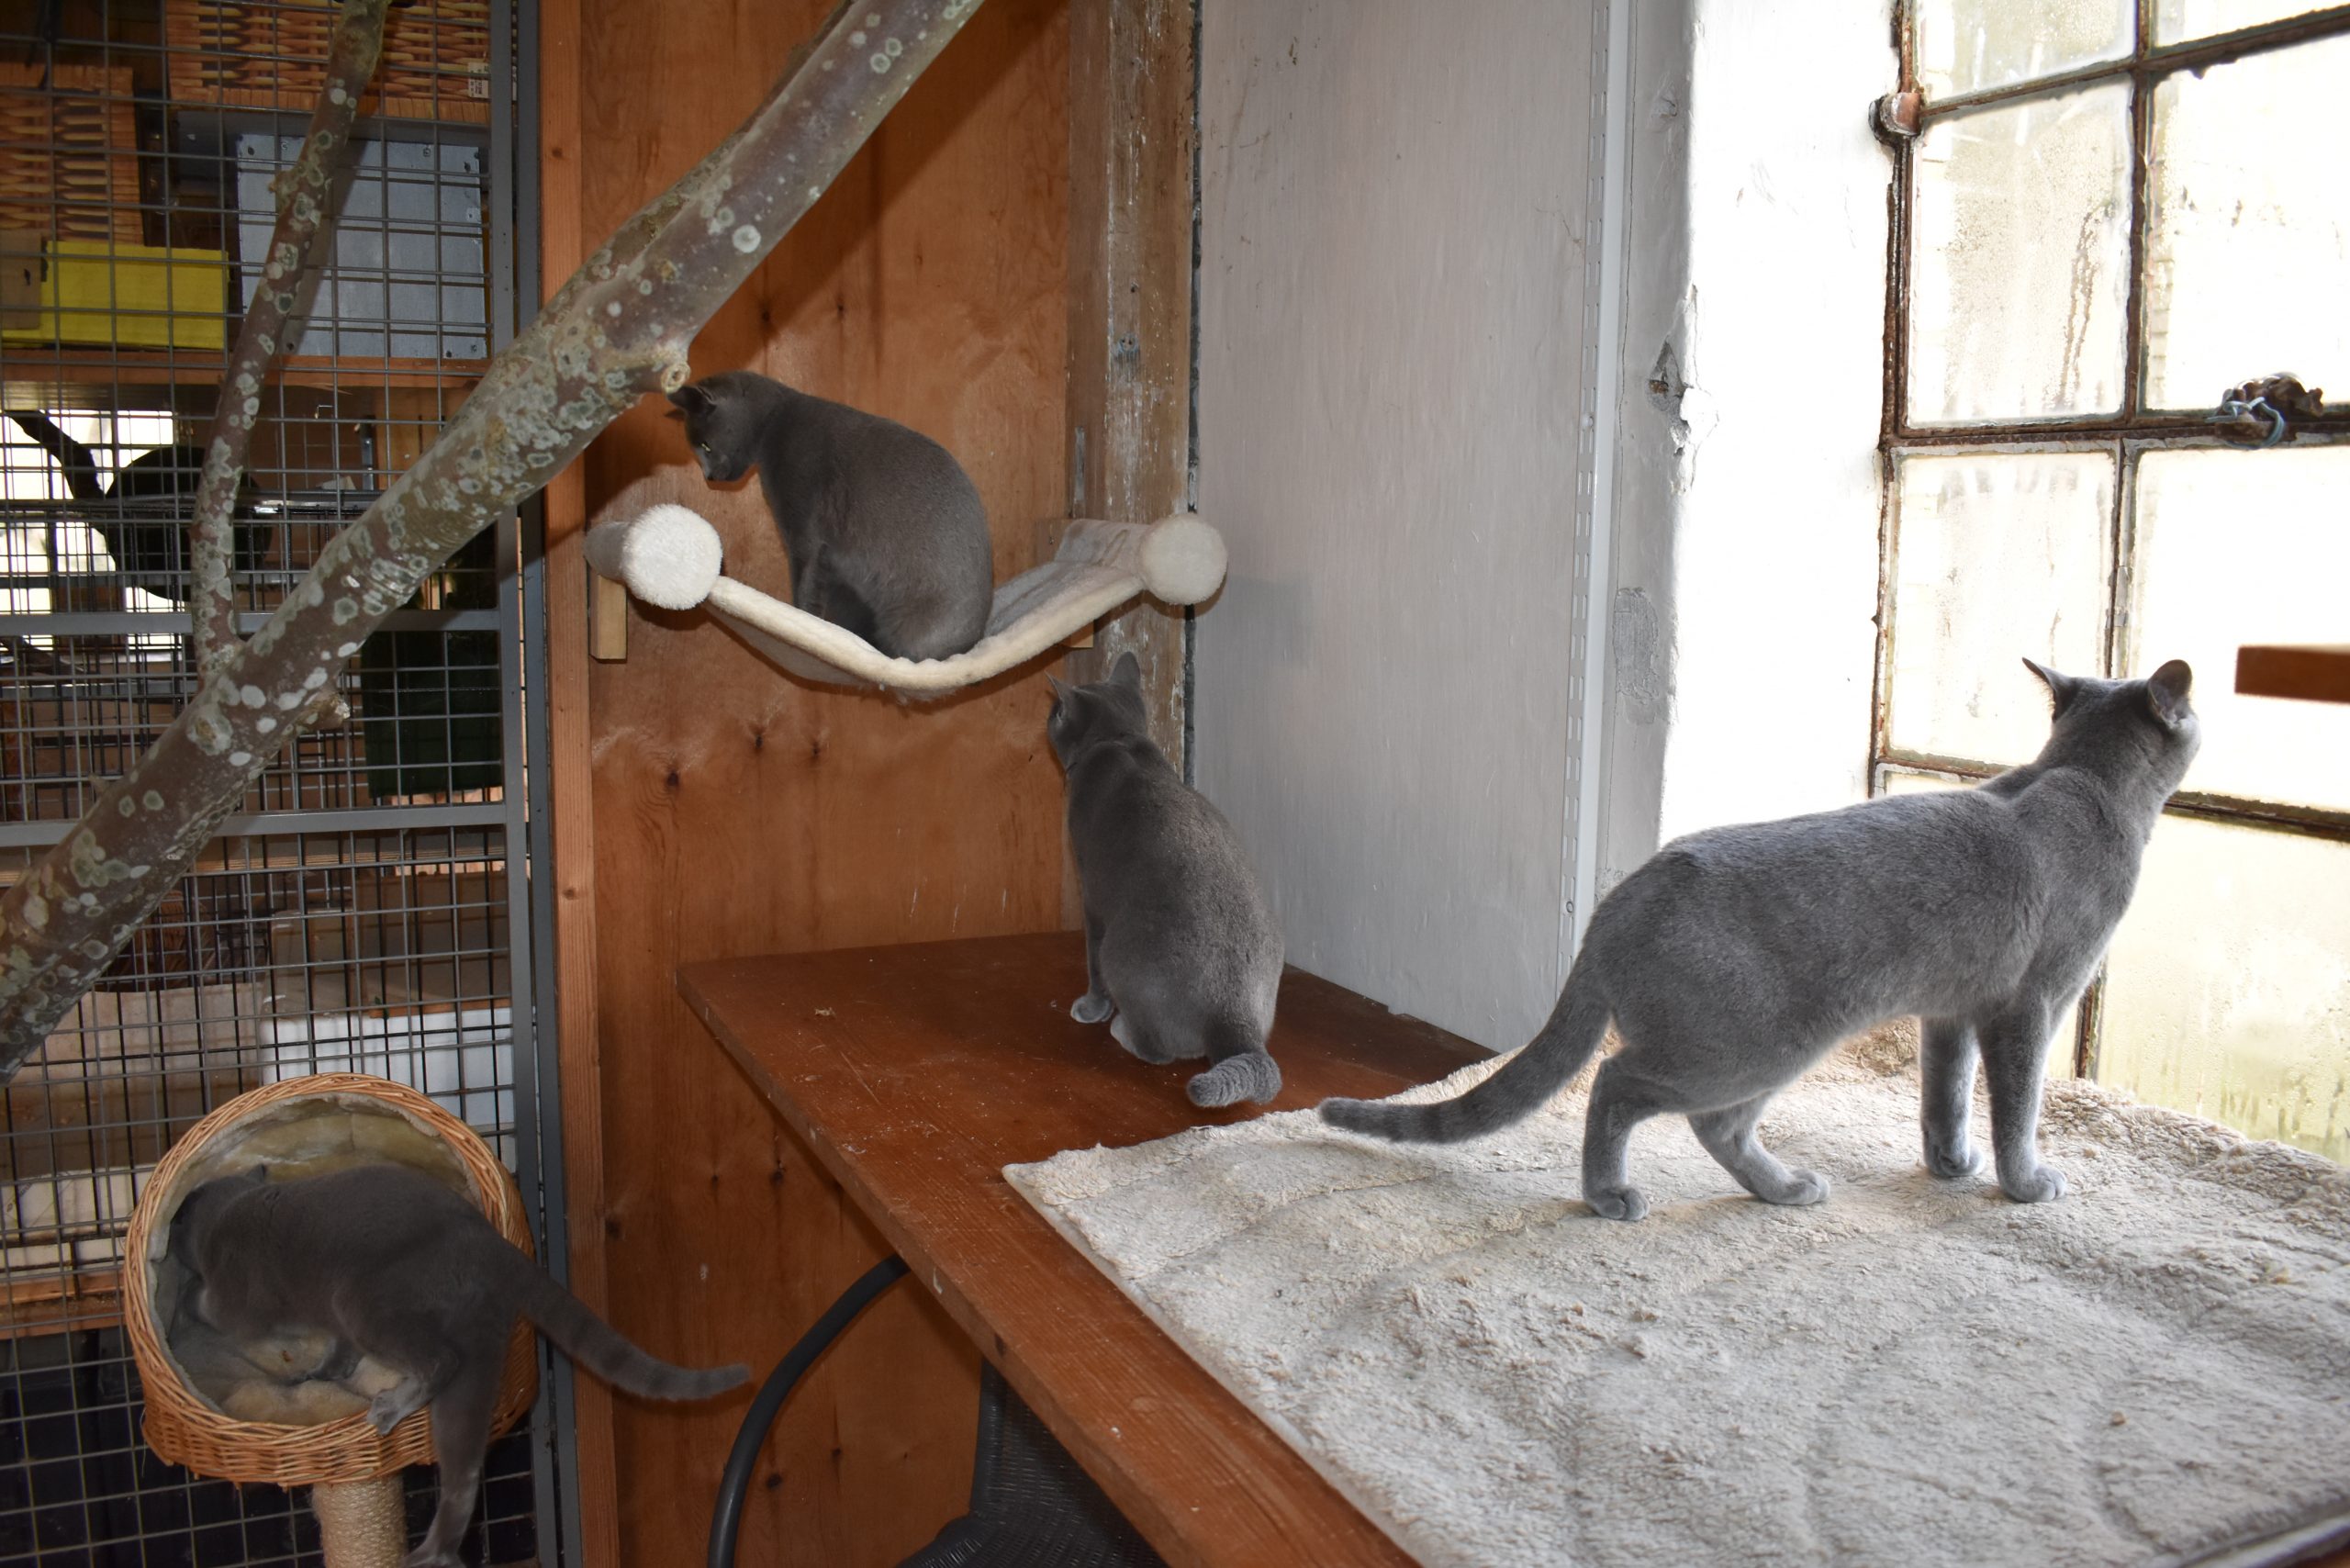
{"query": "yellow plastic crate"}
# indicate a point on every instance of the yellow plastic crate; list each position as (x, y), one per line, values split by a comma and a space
(143, 296)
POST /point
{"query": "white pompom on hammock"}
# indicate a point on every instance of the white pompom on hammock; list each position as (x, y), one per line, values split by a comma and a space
(669, 557)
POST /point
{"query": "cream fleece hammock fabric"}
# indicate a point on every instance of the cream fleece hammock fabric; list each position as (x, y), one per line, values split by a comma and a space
(670, 557)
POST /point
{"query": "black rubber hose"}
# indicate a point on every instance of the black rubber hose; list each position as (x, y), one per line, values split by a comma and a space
(726, 1516)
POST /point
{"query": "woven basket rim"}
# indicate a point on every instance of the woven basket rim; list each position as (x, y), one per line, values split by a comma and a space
(184, 1429)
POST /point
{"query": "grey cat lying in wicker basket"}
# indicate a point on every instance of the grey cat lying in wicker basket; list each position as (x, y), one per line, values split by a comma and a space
(381, 1262)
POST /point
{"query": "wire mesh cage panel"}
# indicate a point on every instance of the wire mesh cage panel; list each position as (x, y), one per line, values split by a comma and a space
(365, 907)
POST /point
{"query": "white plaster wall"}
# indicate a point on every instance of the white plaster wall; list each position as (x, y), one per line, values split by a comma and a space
(1745, 539)
(1392, 310)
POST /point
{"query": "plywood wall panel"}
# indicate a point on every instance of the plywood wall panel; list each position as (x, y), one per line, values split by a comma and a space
(1392, 380)
(737, 811)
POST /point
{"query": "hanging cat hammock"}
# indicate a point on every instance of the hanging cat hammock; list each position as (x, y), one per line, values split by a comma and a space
(669, 557)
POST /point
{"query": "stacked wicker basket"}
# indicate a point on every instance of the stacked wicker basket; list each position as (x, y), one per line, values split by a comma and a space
(69, 152)
(272, 54)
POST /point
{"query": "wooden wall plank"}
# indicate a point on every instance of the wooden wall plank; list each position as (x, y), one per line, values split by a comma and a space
(1131, 202)
(564, 244)
(732, 810)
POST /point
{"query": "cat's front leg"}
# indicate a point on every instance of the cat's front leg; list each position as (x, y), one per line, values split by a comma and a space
(340, 1361)
(1946, 1056)
(2015, 1059)
(1095, 1004)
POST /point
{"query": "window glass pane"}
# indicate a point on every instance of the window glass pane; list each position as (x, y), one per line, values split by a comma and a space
(1965, 44)
(2227, 992)
(2067, 1034)
(2019, 239)
(2249, 258)
(1997, 558)
(2177, 19)
(2236, 547)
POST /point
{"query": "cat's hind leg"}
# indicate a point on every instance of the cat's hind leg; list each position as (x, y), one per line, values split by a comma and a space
(1142, 1043)
(1620, 1100)
(1095, 1004)
(824, 593)
(1946, 1056)
(1728, 1135)
(461, 1416)
(397, 1403)
(2015, 1059)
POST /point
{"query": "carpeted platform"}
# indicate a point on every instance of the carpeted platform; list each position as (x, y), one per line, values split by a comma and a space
(2155, 1369)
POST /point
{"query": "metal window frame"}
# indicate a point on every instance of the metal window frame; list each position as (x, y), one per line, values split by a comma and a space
(2125, 435)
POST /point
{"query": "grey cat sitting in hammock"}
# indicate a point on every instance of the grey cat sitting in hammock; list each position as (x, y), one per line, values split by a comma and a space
(887, 535)
(384, 1263)
(1735, 957)
(1181, 954)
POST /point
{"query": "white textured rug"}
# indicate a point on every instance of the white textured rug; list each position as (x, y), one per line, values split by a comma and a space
(2155, 1369)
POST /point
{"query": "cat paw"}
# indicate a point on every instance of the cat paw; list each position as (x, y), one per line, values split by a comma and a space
(1950, 1165)
(389, 1409)
(1803, 1187)
(1091, 1008)
(428, 1557)
(1618, 1203)
(2041, 1185)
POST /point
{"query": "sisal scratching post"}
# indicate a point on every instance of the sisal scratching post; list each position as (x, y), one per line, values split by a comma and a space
(361, 1524)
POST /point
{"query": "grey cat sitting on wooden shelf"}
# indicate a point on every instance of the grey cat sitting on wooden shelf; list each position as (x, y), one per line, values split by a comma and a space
(381, 1262)
(1736, 957)
(1181, 954)
(886, 533)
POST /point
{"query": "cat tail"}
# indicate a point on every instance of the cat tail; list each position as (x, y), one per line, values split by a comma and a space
(1545, 1065)
(594, 1344)
(74, 459)
(1242, 1069)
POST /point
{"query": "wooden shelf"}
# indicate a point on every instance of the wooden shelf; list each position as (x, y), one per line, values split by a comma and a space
(891, 1065)
(53, 1303)
(99, 367)
(2312, 672)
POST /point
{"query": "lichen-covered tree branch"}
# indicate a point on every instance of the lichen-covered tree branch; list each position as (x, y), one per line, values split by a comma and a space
(617, 330)
(303, 195)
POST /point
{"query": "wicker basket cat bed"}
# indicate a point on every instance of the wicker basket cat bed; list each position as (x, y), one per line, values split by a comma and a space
(305, 1126)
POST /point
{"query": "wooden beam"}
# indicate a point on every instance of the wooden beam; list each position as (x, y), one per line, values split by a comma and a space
(2312, 672)
(1132, 128)
(563, 247)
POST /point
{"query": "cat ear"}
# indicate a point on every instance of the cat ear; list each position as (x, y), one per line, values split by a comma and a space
(1059, 692)
(2166, 693)
(2062, 687)
(1127, 671)
(691, 398)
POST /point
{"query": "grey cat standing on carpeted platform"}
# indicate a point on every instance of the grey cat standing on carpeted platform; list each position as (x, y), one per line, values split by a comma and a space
(1736, 957)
